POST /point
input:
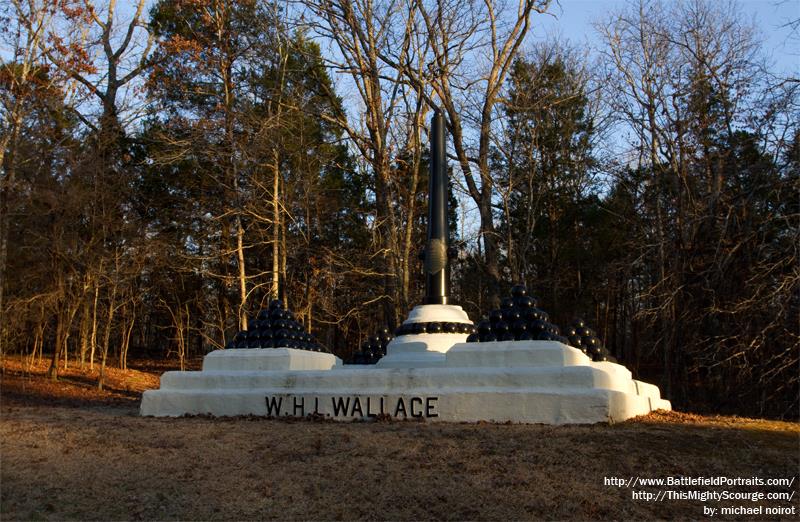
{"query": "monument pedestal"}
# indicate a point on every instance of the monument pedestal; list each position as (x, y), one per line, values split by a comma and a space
(427, 349)
(518, 381)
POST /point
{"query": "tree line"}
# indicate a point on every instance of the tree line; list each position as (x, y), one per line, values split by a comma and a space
(168, 168)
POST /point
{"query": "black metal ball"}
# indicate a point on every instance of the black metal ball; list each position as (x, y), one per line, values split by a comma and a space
(435, 327)
(575, 340)
(524, 336)
(508, 336)
(267, 343)
(570, 331)
(506, 303)
(451, 327)
(533, 314)
(253, 342)
(419, 328)
(511, 315)
(383, 330)
(500, 328)
(276, 314)
(265, 333)
(519, 290)
(590, 342)
(263, 315)
(473, 338)
(484, 327)
(495, 316)
(275, 304)
(241, 342)
(523, 302)
(537, 326)
(489, 338)
(519, 326)
(579, 323)
(544, 336)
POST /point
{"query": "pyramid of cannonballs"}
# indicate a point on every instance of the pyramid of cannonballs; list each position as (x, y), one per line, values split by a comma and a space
(373, 348)
(275, 327)
(520, 319)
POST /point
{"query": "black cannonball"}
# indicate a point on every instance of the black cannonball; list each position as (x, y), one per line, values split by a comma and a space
(506, 303)
(555, 330)
(484, 327)
(533, 314)
(523, 302)
(435, 327)
(590, 342)
(263, 315)
(383, 331)
(385, 337)
(401, 330)
(519, 290)
(575, 340)
(451, 327)
(276, 314)
(545, 316)
(267, 343)
(519, 326)
(508, 336)
(544, 336)
(473, 338)
(275, 303)
(375, 341)
(570, 331)
(500, 328)
(537, 326)
(419, 328)
(524, 336)
(489, 337)
(495, 316)
(253, 342)
(511, 315)
(579, 323)
(281, 334)
(265, 333)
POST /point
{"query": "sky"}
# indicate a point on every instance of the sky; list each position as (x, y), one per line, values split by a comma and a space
(572, 20)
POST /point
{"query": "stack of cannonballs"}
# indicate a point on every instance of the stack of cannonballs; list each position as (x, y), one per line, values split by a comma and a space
(584, 338)
(373, 348)
(519, 319)
(275, 327)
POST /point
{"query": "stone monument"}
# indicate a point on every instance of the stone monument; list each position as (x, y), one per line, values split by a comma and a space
(515, 366)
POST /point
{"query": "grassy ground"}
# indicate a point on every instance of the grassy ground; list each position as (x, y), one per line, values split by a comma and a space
(68, 451)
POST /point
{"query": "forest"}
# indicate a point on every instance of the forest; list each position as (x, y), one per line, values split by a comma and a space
(171, 166)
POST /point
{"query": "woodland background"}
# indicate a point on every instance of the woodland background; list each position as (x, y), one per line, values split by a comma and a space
(169, 167)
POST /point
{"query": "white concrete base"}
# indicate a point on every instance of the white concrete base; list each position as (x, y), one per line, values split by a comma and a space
(255, 359)
(522, 381)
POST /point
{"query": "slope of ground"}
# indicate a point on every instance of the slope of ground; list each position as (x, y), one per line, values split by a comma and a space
(70, 452)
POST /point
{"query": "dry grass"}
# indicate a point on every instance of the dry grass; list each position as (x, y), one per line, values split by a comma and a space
(88, 455)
